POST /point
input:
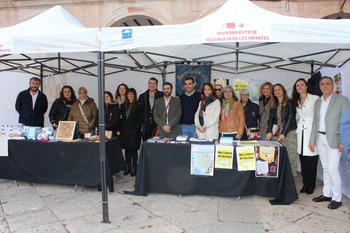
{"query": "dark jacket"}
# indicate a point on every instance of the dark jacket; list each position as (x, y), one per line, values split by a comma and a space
(112, 118)
(130, 133)
(59, 110)
(252, 115)
(148, 123)
(24, 106)
(288, 118)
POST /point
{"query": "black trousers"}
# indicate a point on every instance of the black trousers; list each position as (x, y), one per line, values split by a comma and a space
(131, 156)
(309, 170)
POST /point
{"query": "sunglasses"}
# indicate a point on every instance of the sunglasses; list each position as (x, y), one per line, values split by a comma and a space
(217, 89)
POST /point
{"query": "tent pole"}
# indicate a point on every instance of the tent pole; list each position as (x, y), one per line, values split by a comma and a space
(237, 56)
(101, 124)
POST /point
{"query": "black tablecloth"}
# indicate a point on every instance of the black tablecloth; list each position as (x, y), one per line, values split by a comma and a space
(76, 163)
(165, 168)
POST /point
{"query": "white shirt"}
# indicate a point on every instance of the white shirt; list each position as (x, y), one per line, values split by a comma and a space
(323, 111)
(34, 97)
(167, 109)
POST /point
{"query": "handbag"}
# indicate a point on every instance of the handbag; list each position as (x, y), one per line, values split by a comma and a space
(252, 133)
(276, 130)
(156, 131)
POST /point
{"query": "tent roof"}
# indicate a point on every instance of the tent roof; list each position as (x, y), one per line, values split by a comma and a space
(54, 30)
(255, 40)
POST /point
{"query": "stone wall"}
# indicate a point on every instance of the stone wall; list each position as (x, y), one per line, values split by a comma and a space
(101, 13)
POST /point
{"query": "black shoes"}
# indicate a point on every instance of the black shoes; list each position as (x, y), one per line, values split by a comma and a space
(307, 190)
(321, 199)
(334, 205)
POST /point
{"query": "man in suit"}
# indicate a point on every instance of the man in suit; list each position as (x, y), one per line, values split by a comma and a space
(167, 113)
(325, 135)
(147, 99)
(31, 104)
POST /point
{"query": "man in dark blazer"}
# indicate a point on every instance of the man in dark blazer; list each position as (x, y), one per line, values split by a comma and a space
(167, 113)
(31, 104)
(325, 136)
(147, 99)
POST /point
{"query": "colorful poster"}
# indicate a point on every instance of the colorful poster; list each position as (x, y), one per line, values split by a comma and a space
(224, 157)
(202, 160)
(254, 89)
(245, 158)
(267, 161)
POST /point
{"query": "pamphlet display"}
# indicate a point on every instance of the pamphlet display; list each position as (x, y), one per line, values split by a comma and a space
(202, 160)
(267, 159)
(245, 158)
(224, 157)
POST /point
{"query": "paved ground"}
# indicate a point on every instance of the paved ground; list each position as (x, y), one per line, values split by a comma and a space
(58, 208)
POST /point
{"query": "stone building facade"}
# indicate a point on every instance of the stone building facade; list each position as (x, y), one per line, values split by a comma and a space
(102, 13)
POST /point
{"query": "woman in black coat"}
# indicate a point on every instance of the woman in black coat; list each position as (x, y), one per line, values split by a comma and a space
(132, 116)
(112, 114)
(62, 105)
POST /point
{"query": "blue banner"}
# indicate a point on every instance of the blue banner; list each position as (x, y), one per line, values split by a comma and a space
(200, 73)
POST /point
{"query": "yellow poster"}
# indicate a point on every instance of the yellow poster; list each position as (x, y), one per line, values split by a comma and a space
(245, 158)
(240, 85)
(224, 157)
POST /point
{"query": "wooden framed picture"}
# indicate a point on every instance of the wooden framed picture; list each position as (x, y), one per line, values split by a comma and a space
(222, 82)
(65, 130)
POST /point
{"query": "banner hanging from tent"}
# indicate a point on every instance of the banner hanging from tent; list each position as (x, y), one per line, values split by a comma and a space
(200, 73)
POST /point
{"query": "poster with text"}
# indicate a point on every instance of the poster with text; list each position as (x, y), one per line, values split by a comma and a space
(202, 160)
(245, 158)
(224, 157)
(267, 161)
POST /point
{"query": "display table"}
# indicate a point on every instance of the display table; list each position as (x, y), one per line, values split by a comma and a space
(165, 168)
(76, 163)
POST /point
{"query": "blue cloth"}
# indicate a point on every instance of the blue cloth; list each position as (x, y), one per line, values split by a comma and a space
(345, 132)
(189, 130)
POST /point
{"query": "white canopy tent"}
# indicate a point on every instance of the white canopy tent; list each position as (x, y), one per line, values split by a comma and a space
(239, 41)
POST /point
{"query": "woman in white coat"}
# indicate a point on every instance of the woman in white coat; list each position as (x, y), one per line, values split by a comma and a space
(304, 117)
(207, 116)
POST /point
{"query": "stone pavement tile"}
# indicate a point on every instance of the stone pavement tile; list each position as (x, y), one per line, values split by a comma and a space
(165, 205)
(115, 200)
(48, 228)
(128, 215)
(229, 227)
(233, 210)
(23, 206)
(149, 197)
(14, 193)
(91, 223)
(199, 202)
(32, 219)
(153, 225)
(3, 225)
(190, 219)
(71, 205)
(52, 189)
(322, 223)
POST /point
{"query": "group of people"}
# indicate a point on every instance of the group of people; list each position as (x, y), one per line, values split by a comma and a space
(305, 124)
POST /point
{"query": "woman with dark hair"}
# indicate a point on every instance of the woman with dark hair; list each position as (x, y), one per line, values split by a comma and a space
(120, 93)
(61, 106)
(282, 114)
(305, 113)
(207, 116)
(232, 117)
(132, 117)
(112, 114)
(265, 94)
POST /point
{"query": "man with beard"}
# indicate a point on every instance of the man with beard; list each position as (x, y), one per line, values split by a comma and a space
(31, 104)
(167, 113)
(147, 99)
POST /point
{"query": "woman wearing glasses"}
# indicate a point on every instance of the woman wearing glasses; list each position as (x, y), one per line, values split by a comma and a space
(232, 117)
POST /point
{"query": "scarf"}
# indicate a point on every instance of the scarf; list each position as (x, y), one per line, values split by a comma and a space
(204, 103)
(226, 109)
(127, 113)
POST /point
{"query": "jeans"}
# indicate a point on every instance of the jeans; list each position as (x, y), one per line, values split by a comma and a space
(189, 130)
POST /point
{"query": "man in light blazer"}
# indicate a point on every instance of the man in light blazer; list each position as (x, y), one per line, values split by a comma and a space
(325, 135)
(167, 113)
